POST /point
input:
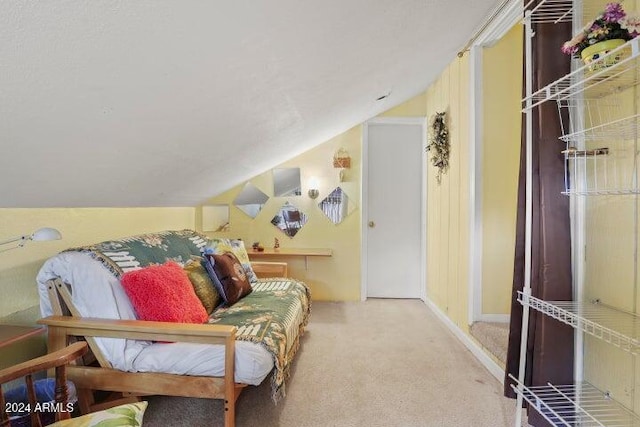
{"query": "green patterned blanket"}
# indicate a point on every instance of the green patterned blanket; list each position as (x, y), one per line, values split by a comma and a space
(131, 253)
(274, 315)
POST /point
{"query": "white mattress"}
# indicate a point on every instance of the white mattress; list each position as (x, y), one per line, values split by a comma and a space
(97, 293)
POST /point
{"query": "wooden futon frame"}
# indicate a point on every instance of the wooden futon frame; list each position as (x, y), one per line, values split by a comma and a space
(131, 385)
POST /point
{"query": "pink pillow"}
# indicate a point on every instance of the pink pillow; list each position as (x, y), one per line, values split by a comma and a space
(163, 293)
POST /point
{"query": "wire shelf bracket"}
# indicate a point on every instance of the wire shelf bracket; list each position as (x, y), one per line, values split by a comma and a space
(616, 327)
(576, 405)
(550, 11)
(594, 84)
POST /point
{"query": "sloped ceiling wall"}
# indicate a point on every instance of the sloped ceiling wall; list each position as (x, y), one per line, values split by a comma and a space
(167, 103)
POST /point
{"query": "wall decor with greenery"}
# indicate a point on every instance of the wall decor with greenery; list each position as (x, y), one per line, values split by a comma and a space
(439, 144)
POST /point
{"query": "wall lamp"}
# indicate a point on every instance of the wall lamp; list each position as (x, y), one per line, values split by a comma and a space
(313, 187)
(40, 235)
(342, 161)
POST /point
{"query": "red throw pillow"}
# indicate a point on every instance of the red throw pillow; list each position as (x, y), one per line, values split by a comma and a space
(163, 293)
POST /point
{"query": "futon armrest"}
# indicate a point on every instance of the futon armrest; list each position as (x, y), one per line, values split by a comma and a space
(51, 360)
(140, 329)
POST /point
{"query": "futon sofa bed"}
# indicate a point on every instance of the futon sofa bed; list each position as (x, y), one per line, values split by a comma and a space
(239, 343)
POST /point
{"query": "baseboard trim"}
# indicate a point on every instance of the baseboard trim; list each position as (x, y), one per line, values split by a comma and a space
(495, 369)
(495, 318)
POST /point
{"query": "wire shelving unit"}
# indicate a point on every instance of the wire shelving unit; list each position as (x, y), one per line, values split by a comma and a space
(593, 146)
(580, 93)
(620, 129)
(577, 405)
(595, 80)
(616, 327)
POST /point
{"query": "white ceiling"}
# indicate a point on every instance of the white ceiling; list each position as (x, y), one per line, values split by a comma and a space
(167, 103)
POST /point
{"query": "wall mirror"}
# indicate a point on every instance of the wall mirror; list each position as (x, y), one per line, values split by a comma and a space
(286, 182)
(289, 219)
(337, 206)
(250, 200)
(215, 218)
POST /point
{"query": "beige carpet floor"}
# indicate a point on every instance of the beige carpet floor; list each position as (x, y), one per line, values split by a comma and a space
(494, 337)
(380, 363)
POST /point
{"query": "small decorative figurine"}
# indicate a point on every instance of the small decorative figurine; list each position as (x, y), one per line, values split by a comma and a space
(276, 244)
(256, 247)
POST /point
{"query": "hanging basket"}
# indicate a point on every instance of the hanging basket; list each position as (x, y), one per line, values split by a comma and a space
(593, 53)
(341, 159)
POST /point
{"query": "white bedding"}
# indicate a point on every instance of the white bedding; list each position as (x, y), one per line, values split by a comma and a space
(97, 293)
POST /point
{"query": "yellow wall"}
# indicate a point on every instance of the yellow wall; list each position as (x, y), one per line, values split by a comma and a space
(18, 268)
(448, 202)
(335, 278)
(502, 94)
(414, 107)
(331, 279)
(81, 226)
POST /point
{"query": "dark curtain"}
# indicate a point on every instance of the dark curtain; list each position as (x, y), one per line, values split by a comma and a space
(550, 343)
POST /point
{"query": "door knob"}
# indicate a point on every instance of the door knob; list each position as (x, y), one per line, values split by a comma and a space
(372, 224)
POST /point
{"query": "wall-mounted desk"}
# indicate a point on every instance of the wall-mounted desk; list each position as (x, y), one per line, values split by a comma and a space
(288, 252)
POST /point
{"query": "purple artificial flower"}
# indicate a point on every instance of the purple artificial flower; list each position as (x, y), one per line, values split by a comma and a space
(613, 12)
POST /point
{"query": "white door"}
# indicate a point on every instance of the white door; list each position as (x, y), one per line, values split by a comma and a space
(393, 252)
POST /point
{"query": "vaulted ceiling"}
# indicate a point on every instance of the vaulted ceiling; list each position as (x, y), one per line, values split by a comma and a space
(170, 102)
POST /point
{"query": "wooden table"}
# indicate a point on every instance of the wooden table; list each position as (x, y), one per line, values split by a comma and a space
(287, 252)
(10, 334)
